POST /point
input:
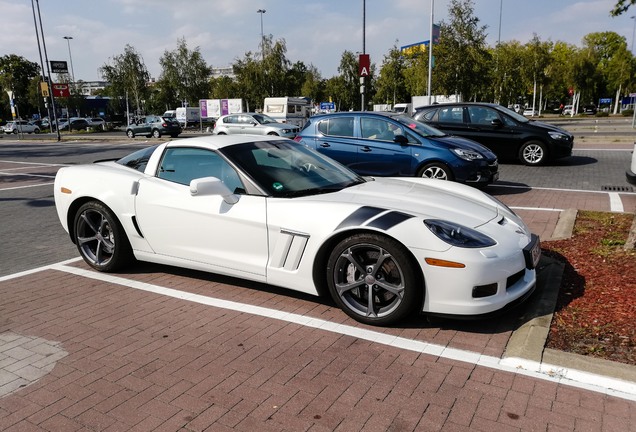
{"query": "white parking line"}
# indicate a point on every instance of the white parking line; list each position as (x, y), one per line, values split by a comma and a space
(554, 373)
(26, 186)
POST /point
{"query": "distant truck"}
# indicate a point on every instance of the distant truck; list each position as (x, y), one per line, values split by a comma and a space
(293, 110)
(404, 108)
(212, 109)
(186, 116)
(420, 101)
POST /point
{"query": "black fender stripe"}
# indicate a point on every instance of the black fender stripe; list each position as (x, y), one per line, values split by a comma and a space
(384, 222)
(389, 220)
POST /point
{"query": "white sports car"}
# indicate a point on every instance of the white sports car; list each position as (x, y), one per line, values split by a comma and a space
(272, 210)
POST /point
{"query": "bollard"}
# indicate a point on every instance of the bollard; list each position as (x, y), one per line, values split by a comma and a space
(631, 173)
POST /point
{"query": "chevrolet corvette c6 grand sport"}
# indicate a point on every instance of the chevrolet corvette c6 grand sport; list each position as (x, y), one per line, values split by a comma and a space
(271, 210)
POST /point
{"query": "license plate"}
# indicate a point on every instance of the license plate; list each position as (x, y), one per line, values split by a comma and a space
(532, 252)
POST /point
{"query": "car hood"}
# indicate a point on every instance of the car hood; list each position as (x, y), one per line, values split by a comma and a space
(426, 198)
(548, 126)
(456, 141)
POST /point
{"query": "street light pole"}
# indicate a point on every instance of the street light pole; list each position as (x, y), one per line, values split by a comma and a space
(68, 40)
(633, 31)
(262, 11)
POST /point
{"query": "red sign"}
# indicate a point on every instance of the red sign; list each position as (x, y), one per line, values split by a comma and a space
(61, 90)
(364, 65)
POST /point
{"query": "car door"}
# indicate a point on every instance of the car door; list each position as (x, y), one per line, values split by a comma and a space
(493, 129)
(452, 120)
(335, 138)
(378, 152)
(227, 238)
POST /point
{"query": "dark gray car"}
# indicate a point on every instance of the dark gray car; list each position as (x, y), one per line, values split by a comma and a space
(509, 135)
(155, 126)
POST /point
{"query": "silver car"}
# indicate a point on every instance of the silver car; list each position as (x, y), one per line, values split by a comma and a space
(253, 124)
(21, 126)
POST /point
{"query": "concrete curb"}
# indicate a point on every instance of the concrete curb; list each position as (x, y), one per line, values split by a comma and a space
(529, 340)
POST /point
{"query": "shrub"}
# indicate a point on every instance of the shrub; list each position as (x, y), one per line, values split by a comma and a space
(627, 113)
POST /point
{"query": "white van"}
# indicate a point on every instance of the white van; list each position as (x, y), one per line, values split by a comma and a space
(287, 110)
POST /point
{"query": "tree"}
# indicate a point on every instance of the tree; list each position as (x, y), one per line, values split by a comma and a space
(185, 75)
(462, 59)
(621, 6)
(349, 83)
(127, 76)
(391, 84)
(537, 56)
(16, 75)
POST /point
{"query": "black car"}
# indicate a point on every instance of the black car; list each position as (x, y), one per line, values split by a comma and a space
(589, 109)
(75, 123)
(155, 126)
(508, 134)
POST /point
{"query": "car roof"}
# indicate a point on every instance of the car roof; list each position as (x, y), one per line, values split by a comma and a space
(446, 104)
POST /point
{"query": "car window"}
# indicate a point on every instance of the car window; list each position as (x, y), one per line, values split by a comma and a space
(338, 126)
(426, 115)
(451, 115)
(481, 115)
(378, 129)
(182, 165)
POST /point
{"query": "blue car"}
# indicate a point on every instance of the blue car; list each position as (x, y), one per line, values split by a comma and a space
(394, 145)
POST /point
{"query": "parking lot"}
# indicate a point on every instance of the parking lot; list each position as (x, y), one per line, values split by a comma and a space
(159, 348)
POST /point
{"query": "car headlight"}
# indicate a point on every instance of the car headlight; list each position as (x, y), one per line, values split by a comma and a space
(458, 235)
(286, 130)
(558, 136)
(468, 155)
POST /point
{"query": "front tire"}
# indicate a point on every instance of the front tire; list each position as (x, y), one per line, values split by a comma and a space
(373, 280)
(100, 238)
(533, 153)
(130, 133)
(436, 170)
(156, 133)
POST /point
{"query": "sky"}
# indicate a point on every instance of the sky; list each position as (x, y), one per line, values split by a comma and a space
(315, 32)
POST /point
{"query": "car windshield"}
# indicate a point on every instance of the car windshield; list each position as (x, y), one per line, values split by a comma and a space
(137, 160)
(419, 127)
(284, 168)
(263, 119)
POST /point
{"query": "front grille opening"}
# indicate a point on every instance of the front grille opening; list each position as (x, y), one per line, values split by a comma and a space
(514, 279)
(482, 291)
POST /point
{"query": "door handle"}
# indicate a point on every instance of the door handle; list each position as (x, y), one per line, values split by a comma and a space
(325, 145)
(366, 149)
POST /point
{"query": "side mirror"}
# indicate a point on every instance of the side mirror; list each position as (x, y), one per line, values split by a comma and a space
(207, 186)
(496, 122)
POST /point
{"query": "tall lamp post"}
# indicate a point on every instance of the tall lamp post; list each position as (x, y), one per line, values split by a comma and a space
(68, 41)
(633, 31)
(262, 11)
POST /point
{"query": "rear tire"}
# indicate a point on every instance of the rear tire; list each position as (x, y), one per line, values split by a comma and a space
(100, 238)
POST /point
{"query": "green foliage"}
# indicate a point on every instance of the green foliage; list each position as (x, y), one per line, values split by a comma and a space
(184, 77)
(127, 76)
(19, 75)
